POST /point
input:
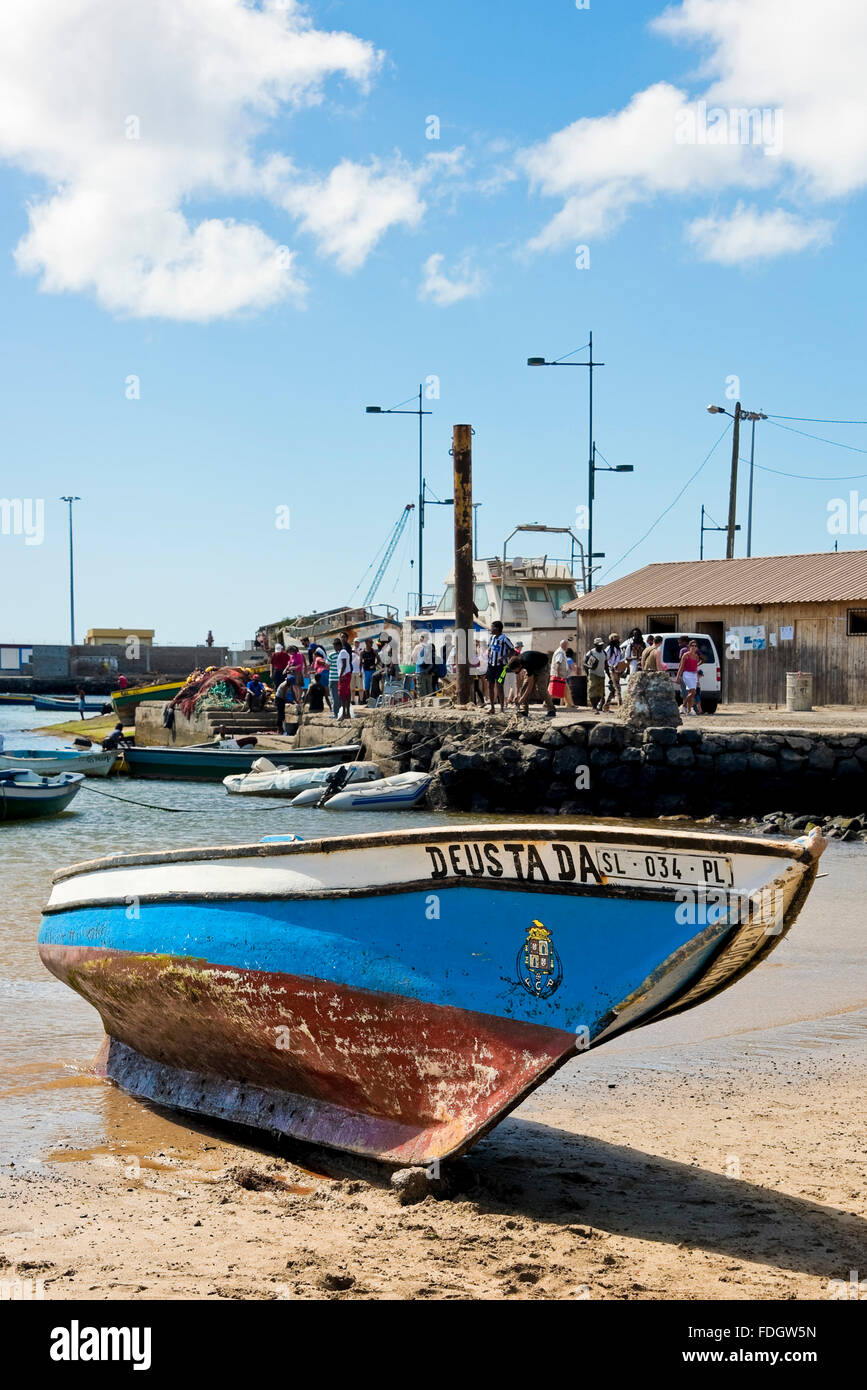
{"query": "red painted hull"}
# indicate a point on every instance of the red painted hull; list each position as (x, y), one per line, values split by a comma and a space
(381, 1075)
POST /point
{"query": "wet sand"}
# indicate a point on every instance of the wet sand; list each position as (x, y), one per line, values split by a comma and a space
(731, 1169)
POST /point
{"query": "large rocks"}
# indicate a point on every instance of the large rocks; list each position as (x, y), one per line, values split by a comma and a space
(649, 700)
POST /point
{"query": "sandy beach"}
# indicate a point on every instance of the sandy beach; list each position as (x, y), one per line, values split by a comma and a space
(732, 1169)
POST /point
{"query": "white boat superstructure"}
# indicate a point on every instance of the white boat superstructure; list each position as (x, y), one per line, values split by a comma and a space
(527, 595)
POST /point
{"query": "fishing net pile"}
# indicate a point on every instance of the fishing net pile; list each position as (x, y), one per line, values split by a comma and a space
(220, 687)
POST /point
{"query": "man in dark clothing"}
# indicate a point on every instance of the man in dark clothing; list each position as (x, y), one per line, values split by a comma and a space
(316, 697)
(115, 739)
(532, 668)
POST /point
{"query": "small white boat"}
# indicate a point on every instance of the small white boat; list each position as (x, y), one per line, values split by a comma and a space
(388, 794)
(48, 762)
(24, 795)
(265, 779)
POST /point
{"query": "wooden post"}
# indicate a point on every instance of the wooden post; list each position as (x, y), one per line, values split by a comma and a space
(462, 454)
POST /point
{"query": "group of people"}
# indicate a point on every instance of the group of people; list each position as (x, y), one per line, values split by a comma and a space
(606, 667)
(313, 678)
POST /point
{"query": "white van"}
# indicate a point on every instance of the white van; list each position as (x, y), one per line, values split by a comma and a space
(710, 674)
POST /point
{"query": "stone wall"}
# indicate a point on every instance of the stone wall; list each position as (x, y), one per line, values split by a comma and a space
(597, 767)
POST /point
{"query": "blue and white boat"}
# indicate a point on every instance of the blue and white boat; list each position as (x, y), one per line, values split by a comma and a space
(397, 793)
(23, 794)
(48, 762)
(396, 994)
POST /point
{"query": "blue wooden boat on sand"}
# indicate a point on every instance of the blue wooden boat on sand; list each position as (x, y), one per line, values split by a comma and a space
(396, 994)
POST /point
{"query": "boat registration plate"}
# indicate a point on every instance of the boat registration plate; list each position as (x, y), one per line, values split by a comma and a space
(664, 867)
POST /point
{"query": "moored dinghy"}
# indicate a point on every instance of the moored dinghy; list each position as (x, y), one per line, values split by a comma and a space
(264, 779)
(397, 793)
(24, 795)
(396, 994)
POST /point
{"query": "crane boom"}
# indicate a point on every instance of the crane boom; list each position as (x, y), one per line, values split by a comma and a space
(389, 551)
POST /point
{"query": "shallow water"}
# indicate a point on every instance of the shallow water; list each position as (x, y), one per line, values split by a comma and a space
(48, 1035)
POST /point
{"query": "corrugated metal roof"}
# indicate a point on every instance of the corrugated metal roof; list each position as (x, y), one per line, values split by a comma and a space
(828, 577)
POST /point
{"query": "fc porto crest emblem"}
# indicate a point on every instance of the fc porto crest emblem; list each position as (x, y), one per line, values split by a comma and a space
(540, 969)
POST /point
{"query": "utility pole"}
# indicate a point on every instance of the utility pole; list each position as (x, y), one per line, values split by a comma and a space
(733, 485)
(714, 527)
(70, 501)
(462, 455)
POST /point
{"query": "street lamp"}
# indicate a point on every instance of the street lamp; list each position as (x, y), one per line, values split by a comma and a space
(737, 415)
(70, 501)
(591, 466)
(396, 410)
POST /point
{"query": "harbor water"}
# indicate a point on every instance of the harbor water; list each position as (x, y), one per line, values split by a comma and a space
(815, 981)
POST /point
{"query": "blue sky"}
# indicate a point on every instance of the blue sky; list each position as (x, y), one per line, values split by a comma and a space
(154, 257)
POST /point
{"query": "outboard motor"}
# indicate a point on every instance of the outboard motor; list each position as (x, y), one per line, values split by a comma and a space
(334, 782)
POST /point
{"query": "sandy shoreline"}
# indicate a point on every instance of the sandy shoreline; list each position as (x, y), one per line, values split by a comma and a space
(612, 1182)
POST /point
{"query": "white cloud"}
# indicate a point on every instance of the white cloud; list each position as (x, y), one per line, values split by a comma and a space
(202, 80)
(750, 235)
(796, 63)
(443, 290)
(349, 210)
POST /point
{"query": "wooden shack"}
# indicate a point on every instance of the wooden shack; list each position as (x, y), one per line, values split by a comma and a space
(768, 615)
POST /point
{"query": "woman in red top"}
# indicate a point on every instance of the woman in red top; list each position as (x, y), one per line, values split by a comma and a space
(687, 674)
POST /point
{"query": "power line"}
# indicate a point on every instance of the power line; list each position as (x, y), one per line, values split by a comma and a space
(811, 477)
(851, 447)
(810, 420)
(663, 514)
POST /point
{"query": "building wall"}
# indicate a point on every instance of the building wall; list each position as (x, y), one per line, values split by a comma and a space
(821, 646)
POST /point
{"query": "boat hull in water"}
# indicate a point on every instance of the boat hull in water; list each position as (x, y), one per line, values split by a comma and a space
(24, 795)
(206, 764)
(50, 762)
(396, 994)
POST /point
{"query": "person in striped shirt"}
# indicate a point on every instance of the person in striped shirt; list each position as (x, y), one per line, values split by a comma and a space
(500, 652)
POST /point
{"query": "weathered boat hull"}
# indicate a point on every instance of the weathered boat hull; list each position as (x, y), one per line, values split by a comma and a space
(280, 987)
(193, 764)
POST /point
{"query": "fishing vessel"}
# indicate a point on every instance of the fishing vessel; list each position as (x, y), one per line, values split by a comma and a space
(211, 763)
(7, 699)
(398, 793)
(126, 702)
(24, 795)
(397, 994)
(48, 762)
(264, 779)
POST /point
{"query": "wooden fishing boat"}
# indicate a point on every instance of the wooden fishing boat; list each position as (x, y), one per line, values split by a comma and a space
(211, 763)
(6, 699)
(48, 762)
(397, 994)
(24, 795)
(69, 703)
(126, 702)
(265, 779)
(398, 793)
